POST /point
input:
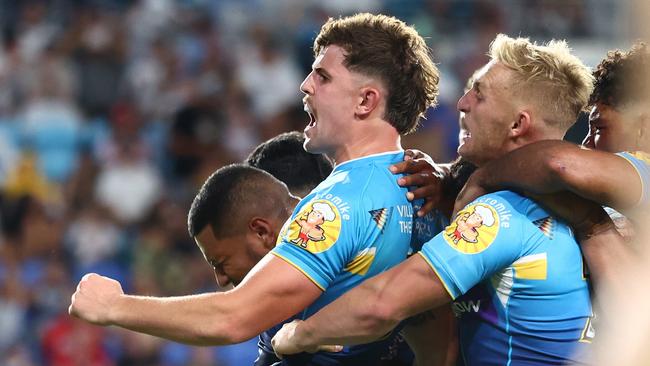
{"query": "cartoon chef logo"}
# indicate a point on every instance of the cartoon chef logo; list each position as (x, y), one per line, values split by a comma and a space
(474, 229)
(316, 227)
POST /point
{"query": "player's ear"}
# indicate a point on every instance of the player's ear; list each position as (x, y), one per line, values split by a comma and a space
(521, 124)
(369, 98)
(263, 232)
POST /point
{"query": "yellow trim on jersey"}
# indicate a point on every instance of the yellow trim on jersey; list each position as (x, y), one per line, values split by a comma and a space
(362, 262)
(300, 269)
(532, 267)
(439, 277)
(638, 173)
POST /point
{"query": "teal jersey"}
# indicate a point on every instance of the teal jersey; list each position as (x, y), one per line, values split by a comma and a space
(632, 219)
(354, 225)
(516, 276)
(641, 162)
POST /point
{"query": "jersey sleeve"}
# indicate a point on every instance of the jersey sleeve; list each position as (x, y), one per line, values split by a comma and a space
(319, 238)
(641, 163)
(485, 237)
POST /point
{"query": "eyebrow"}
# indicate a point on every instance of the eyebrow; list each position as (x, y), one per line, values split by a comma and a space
(322, 71)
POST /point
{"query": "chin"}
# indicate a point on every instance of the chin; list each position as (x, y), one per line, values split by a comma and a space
(463, 150)
(309, 146)
(312, 147)
(469, 156)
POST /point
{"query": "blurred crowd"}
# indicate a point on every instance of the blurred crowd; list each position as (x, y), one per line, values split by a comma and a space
(112, 113)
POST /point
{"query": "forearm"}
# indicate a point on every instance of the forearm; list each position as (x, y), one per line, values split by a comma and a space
(604, 249)
(357, 317)
(533, 168)
(374, 308)
(197, 320)
(271, 293)
(552, 166)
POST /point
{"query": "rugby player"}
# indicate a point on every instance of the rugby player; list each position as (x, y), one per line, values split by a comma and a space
(371, 81)
(611, 168)
(514, 272)
(284, 157)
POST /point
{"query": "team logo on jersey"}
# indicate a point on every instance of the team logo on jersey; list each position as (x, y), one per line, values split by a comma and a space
(316, 227)
(473, 229)
(380, 217)
(546, 225)
(641, 155)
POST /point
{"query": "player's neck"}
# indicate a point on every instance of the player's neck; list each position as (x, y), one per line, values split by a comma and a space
(368, 144)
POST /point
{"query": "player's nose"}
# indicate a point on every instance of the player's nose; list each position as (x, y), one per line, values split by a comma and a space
(306, 86)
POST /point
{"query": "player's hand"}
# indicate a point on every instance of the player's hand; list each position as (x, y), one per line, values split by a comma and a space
(94, 298)
(423, 173)
(286, 342)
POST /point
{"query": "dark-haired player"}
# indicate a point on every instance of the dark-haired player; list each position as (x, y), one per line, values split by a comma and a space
(284, 157)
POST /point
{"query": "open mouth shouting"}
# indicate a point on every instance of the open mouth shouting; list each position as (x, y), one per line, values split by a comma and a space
(464, 135)
(312, 116)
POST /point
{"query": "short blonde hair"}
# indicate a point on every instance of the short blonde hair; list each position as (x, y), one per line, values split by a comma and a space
(557, 82)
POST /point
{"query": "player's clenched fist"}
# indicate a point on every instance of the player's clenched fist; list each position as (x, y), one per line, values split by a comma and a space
(284, 342)
(287, 342)
(94, 298)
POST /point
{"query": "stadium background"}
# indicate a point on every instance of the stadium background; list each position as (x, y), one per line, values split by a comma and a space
(112, 113)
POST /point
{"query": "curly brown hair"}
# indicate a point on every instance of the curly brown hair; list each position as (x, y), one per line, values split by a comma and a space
(386, 48)
(623, 78)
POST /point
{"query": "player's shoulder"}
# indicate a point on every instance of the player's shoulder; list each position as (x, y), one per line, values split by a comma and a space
(641, 156)
(509, 199)
(505, 206)
(640, 160)
(515, 210)
(363, 179)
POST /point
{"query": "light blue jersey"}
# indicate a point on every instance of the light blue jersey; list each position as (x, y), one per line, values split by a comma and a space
(641, 162)
(632, 219)
(354, 225)
(516, 276)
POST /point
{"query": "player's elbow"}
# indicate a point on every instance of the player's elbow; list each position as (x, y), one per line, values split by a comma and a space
(224, 332)
(560, 169)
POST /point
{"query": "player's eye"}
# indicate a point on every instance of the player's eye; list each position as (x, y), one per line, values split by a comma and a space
(321, 77)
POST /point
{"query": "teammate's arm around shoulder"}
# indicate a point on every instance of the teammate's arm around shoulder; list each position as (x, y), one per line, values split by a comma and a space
(369, 311)
(551, 166)
(272, 292)
(603, 248)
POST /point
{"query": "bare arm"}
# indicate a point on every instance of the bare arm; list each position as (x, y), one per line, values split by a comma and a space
(369, 311)
(604, 250)
(552, 166)
(272, 292)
